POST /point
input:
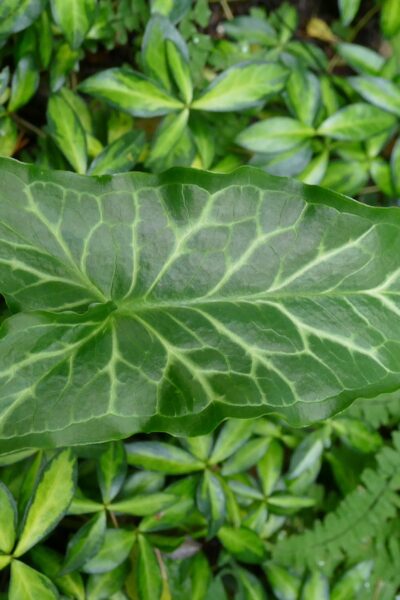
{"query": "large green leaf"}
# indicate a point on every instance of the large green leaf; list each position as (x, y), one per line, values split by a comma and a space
(171, 302)
(18, 15)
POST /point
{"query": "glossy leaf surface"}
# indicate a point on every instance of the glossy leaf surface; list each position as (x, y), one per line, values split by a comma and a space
(171, 302)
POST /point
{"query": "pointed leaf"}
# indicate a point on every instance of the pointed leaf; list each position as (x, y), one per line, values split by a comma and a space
(159, 456)
(74, 18)
(277, 134)
(50, 501)
(242, 86)
(357, 122)
(67, 132)
(130, 91)
(378, 91)
(148, 574)
(85, 543)
(111, 470)
(28, 584)
(8, 519)
(24, 83)
(119, 156)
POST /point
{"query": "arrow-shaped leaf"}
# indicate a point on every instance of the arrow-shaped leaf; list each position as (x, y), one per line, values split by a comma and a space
(171, 302)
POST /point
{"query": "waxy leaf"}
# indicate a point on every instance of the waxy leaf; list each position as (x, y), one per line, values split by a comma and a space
(378, 91)
(8, 519)
(242, 86)
(172, 302)
(75, 18)
(24, 83)
(274, 135)
(49, 502)
(130, 91)
(357, 122)
(28, 584)
(16, 16)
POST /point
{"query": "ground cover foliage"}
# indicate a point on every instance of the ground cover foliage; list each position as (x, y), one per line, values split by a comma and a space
(252, 508)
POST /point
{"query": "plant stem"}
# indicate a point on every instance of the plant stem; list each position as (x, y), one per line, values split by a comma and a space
(24, 124)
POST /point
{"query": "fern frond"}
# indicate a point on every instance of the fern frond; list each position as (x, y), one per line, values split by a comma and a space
(350, 531)
(382, 410)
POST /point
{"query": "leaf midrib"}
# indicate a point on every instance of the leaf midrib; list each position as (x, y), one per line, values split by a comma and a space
(141, 305)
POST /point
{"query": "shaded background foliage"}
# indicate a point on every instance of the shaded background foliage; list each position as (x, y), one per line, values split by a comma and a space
(256, 510)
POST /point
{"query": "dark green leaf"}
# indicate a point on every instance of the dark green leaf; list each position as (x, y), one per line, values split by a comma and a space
(243, 543)
(119, 156)
(246, 457)
(104, 585)
(134, 291)
(85, 543)
(111, 470)
(211, 502)
(116, 546)
(8, 520)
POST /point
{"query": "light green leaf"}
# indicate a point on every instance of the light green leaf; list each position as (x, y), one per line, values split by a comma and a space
(148, 573)
(119, 156)
(234, 433)
(346, 176)
(130, 91)
(15, 17)
(378, 91)
(242, 86)
(8, 136)
(357, 122)
(361, 58)
(24, 83)
(348, 10)
(49, 502)
(174, 9)
(116, 547)
(251, 586)
(315, 170)
(104, 585)
(243, 543)
(63, 62)
(28, 584)
(74, 18)
(281, 503)
(285, 585)
(159, 456)
(143, 504)
(270, 466)
(251, 30)
(352, 582)
(8, 519)
(49, 563)
(246, 457)
(111, 470)
(390, 17)
(316, 587)
(277, 134)
(304, 95)
(179, 65)
(67, 132)
(249, 296)
(85, 543)
(201, 574)
(166, 139)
